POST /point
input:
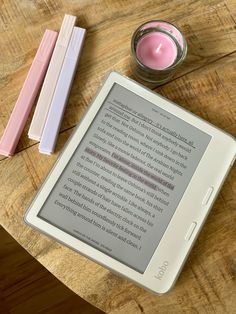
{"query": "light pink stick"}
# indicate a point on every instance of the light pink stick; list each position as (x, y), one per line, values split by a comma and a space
(49, 84)
(28, 94)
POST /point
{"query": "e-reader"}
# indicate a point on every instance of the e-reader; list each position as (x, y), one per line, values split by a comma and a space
(134, 184)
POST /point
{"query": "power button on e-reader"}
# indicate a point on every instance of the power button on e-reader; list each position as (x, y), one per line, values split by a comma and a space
(208, 195)
(190, 231)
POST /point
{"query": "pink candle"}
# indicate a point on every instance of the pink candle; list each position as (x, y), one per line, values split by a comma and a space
(156, 50)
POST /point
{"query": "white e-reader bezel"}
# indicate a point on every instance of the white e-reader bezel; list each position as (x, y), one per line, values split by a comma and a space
(172, 251)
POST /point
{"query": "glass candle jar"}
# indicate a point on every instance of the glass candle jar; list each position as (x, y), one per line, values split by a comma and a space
(158, 48)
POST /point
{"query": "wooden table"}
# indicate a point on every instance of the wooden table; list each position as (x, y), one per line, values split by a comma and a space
(205, 85)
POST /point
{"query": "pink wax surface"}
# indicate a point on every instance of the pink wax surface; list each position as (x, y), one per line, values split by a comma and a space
(167, 27)
(156, 50)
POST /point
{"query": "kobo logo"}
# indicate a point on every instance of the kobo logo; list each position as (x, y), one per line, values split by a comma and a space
(162, 270)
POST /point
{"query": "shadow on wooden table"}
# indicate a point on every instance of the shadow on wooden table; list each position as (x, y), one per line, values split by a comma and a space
(27, 287)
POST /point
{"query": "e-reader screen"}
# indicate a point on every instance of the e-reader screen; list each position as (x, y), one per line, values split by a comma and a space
(126, 178)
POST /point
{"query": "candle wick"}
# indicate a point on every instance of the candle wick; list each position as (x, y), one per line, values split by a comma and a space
(158, 48)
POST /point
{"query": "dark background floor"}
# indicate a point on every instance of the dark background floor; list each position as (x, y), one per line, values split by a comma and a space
(27, 287)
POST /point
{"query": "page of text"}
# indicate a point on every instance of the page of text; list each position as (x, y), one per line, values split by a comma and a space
(126, 178)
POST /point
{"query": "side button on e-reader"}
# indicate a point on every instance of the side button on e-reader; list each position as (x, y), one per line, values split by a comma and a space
(190, 231)
(208, 195)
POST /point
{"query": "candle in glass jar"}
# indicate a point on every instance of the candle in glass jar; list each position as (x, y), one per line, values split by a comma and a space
(158, 48)
(156, 51)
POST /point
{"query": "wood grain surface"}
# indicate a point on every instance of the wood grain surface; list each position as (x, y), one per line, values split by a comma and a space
(205, 85)
(26, 287)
